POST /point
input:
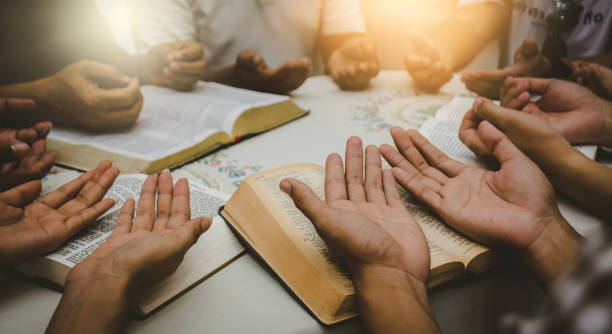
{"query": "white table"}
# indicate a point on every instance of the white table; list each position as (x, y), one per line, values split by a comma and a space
(243, 297)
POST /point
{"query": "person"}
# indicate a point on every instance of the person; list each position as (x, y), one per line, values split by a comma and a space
(285, 39)
(565, 114)
(23, 155)
(140, 252)
(532, 28)
(62, 54)
(365, 223)
(455, 42)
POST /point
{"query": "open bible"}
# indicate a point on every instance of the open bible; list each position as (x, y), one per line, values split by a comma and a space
(269, 223)
(215, 248)
(176, 127)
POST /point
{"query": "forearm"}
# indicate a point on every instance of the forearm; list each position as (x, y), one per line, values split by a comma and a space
(329, 43)
(468, 31)
(580, 178)
(96, 307)
(38, 90)
(554, 252)
(391, 301)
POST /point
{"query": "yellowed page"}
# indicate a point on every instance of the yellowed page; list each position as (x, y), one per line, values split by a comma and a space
(302, 232)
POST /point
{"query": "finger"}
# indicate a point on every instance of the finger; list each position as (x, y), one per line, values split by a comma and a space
(120, 98)
(370, 69)
(498, 144)
(296, 78)
(354, 170)
(395, 159)
(514, 94)
(434, 156)
(106, 76)
(306, 201)
(406, 147)
(93, 191)
(502, 118)
(78, 221)
(188, 234)
(193, 68)
(417, 188)
(67, 191)
(145, 213)
(165, 190)
(43, 129)
(373, 176)
(536, 86)
(10, 107)
(22, 195)
(529, 48)
(181, 208)
(191, 51)
(43, 165)
(27, 136)
(468, 133)
(124, 220)
(335, 183)
(390, 188)
(178, 81)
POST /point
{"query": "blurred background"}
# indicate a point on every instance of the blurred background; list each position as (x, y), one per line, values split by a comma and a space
(388, 23)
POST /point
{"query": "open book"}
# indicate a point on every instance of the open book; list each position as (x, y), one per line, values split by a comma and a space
(270, 224)
(443, 132)
(215, 248)
(175, 128)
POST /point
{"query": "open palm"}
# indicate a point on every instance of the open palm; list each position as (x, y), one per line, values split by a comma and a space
(507, 207)
(364, 221)
(149, 247)
(31, 229)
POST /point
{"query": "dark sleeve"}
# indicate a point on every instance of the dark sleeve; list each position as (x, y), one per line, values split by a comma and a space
(40, 37)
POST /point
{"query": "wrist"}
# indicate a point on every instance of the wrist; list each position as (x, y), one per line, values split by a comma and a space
(554, 251)
(605, 137)
(369, 279)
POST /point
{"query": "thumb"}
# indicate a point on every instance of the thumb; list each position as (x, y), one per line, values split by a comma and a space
(306, 200)
(500, 117)
(106, 76)
(497, 143)
(529, 48)
(22, 195)
(188, 234)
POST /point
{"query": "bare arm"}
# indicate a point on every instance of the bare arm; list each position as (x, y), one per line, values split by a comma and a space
(466, 33)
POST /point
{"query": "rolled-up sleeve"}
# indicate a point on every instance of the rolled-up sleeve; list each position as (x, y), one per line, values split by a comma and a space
(162, 21)
(342, 16)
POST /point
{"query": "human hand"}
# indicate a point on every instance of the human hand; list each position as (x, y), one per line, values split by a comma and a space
(144, 250)
(572, 110)
(93, 96)
(253, 73)
(354, 63)
(528, 62)
(364, 222)
(177, 65)
(596, 77)
(15, 142)
(33, 166)
(33, 227)
(425, 65)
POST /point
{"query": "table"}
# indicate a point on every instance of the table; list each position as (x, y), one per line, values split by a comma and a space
(244, 297)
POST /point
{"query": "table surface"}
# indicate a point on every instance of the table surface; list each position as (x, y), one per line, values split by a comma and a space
(244, 297)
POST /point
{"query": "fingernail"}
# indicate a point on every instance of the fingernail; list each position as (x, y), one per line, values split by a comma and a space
(20, 149)
(477, 104)
(285, 186)
(166, 171)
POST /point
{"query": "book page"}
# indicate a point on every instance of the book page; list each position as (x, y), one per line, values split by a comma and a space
(173, 121)
(302, 231)
(445, 136)
(204, 203)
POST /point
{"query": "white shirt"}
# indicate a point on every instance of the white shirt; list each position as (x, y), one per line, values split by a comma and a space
(278, 29)
(591, 36)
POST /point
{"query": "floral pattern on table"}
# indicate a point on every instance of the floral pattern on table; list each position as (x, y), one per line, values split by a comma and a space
(229, 167)
(369, 111)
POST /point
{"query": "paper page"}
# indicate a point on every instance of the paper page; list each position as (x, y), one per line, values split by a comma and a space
(455, 109)
(445, 136)
(173, 121)
(438, 257)
(204, 203)
(302, 231)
